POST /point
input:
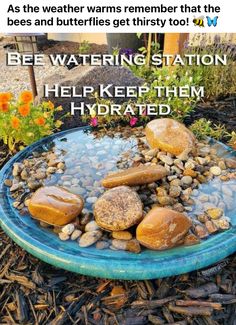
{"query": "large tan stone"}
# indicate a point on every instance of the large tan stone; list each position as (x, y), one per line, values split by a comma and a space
(135, 176)
(169, 135)
(162, 228)
(118, 209)
(55, 205)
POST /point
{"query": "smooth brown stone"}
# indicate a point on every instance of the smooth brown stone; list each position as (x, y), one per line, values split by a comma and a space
(162, 228)
(230, 163)
(191, 239)
(118, 209)
(201, 231)
(135, 176)
(55, 205)
(169, 135)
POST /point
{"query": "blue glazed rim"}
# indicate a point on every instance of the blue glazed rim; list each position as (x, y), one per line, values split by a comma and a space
(106, 263)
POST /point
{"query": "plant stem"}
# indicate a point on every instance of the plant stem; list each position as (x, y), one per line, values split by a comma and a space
(149, 49)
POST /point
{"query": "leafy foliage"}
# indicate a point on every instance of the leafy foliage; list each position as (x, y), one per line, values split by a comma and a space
(23, 122)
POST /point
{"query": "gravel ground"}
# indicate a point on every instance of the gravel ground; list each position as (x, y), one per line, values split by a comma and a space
(16, 78)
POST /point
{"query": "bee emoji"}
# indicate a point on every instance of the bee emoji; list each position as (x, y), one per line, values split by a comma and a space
(199, 21)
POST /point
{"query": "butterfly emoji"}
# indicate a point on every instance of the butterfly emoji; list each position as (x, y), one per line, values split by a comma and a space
(212, 22)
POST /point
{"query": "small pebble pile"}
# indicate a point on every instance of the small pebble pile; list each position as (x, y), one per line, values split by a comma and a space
(200, 184)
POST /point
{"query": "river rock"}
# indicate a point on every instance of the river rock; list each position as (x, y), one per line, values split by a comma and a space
(215, 170)
(68, 229)
(201, 231)
(63, 236)
(91, 226)
(211, 226)
(215, 213)
(89, 238)
(186, 180)
(189, 172)
(125, 235)
(175, 191)
(191, 239)
(162, 229)
(133, 246)
(142, 174)
(76, 234)
(169, 135)
(222, 223)
(118, 209)
(55, 205)
(230, 163)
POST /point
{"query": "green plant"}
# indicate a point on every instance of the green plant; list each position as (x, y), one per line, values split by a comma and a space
(84, 47)
(217, 79)
(232, 139)
(23, 122)
(169, 77)
(204, 128)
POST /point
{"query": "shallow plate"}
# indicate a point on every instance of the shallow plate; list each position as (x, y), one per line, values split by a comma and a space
(107, 263)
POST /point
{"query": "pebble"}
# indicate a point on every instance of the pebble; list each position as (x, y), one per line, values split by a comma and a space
(165, 200)
(203, 198)
(230, 163)
(102, 244)
(91, 226)
(211, 226)
(190, 172)
(51, 170)
(222, 223)
(215, 170)
(215, 213)
(202, 218)
(63, 236)
(33, 185)
(201, 231)
(17, 168)
(68, 229)
(166, 159)
(92, 199)
(124, 235)
(89, 238)
(24, 175)
(222, 165)
(8, 182)
(186, 180)
(178, 207)
(175, 191)
(40, 175)
(133, 246)
(16, 186)
(61, 165)
(184, 154)
(200, 160)
(152, 153)
(189, 164)
(76, 234)
(119, 244)
(85, 218)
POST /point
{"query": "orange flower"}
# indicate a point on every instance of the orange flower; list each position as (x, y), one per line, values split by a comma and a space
(4, 107)
(40, 121)
(5, 97)
(15, 122)
(26, 96)
(50, 105)
(24, 110)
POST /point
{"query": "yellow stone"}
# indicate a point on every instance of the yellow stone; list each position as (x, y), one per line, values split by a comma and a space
(142, 174)
(169, 135)
(162, 228)
(55, 205)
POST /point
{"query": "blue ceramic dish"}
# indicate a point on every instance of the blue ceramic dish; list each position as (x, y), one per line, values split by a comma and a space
(45, 245)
